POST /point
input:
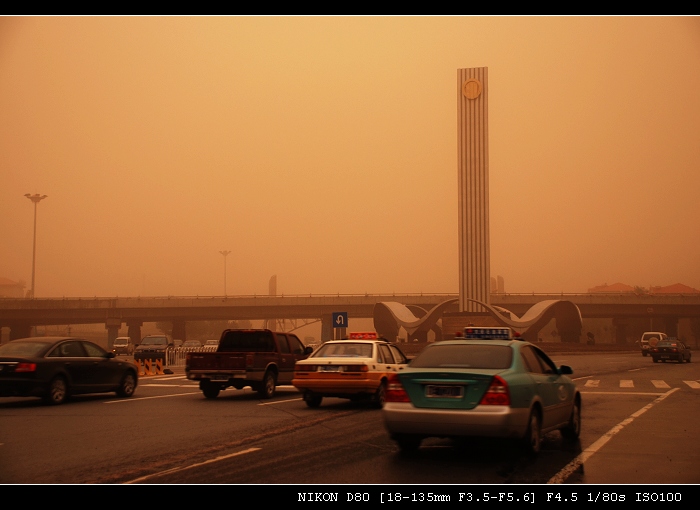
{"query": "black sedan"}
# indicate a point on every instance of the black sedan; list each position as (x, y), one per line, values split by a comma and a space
(670, 349)
(54, 368)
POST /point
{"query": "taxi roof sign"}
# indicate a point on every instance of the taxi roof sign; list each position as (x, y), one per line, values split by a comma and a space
(473, 333)
(369, 335)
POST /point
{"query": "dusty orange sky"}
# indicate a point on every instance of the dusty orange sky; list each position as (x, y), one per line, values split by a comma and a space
(323, 150)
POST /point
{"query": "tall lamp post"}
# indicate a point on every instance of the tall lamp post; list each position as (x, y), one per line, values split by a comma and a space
(36, 198)
(224, 253)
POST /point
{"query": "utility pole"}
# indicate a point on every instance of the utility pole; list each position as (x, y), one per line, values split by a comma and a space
(36, 198)
(225, 253)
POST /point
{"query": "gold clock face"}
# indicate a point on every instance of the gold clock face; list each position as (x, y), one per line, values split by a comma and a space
(471, 88)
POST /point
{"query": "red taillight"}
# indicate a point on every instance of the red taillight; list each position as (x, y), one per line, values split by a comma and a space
(395, 391)
(355, 368)
(249, 360)
(25, 367)
(497, 394)
(304, 368)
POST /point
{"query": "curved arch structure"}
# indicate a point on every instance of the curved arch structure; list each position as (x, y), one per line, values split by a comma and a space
(390, 317)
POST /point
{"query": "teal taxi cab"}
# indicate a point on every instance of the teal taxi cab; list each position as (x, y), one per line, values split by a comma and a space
(489, 383)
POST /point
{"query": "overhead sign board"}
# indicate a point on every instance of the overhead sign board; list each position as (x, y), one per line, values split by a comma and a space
(340, 319)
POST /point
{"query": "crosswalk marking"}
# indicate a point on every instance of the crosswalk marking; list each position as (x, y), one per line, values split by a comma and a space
(629, 383)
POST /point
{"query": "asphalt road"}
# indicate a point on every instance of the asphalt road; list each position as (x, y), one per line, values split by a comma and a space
(638, 427)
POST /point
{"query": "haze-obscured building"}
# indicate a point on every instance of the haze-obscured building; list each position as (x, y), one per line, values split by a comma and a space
(11, 289)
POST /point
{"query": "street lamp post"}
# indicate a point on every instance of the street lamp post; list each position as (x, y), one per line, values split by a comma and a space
(224, 253)
(36, 198)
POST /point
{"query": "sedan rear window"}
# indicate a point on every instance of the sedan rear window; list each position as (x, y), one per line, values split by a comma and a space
(23, 349)
(464, 356)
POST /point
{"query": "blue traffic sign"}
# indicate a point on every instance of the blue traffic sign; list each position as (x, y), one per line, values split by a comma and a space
(340, 319)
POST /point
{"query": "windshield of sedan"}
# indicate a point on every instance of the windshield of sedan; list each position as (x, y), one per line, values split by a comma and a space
(344, 350)
(464, 356)
(23, 349)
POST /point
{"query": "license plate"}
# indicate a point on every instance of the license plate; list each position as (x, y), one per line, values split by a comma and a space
(219, 378)
(330, 368)
(435, 391)
(665, 356)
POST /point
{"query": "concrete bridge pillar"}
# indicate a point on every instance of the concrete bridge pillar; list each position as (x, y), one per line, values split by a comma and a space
(20, 330)
(135, 331)
(671, 326)
(179, 330)
(326, 327)
(620, 327)
(112, 326)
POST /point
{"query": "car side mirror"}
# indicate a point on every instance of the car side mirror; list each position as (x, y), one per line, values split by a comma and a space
(308, 349)
(110, 355)
(565, 370)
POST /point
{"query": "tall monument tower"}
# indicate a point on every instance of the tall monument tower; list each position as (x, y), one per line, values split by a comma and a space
(473, 166)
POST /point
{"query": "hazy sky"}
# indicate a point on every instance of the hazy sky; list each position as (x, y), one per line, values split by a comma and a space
(323, 150)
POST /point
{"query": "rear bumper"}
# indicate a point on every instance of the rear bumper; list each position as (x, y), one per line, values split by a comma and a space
(482, 421)
(330, 388)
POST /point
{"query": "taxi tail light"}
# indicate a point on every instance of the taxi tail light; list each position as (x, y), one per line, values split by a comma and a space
(497, 394)
(395, 391)
(304, 368)
(25, 367)
(355, 368)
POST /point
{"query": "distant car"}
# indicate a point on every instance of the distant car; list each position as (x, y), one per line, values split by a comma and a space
(54, 368)
(152, 347)
(487, 384)
(356, 369)
(177, 343)
(670, 349)
(191, 344)
(650, 339)
(123, 345)
(211, 343)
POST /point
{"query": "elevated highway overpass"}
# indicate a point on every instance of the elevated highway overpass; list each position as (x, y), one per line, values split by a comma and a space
(20, 315)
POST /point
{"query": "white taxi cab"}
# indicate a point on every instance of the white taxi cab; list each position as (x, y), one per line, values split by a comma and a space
(357, 369)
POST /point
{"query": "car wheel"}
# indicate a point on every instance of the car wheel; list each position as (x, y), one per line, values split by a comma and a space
(407, 443)
(57, 392)
(311, 399)
(655, 360)
(688, 359)
(644, 354)
(210, 390)
(573, 428)
(267, 388)
(533, 436)
(127, 386)
(680, 359)
(380, 395)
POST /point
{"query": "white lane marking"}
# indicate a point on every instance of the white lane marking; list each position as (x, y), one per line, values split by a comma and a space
(626, 383)
(183, 468)
(620, 393)
(659, 384)
(156, 385)
(592, 383)
(693, 384)
(572, 466)
(135, 399)
(279, 402)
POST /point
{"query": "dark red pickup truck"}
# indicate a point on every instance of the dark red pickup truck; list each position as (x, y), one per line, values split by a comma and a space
(259, 358)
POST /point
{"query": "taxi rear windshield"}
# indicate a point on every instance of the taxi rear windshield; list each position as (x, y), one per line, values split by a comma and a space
(464, 356)
(344, 350)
